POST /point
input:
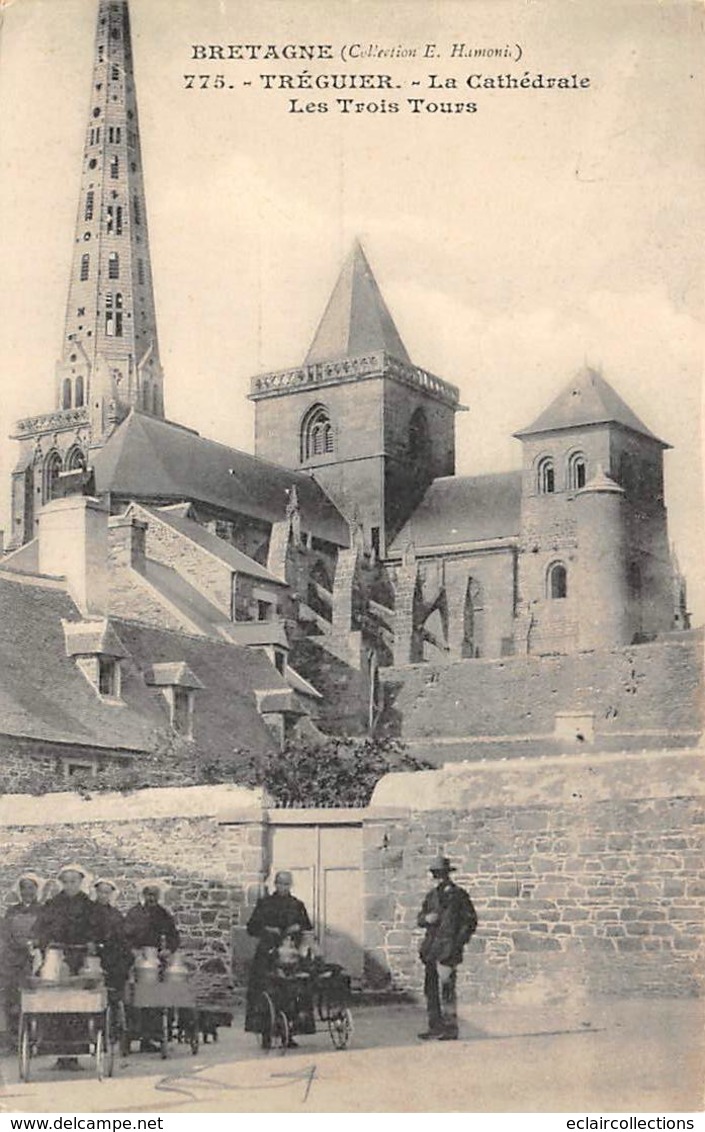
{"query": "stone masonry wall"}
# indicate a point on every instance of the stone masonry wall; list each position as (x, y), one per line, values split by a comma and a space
(588, 877)
(654, 686)
(206, 573)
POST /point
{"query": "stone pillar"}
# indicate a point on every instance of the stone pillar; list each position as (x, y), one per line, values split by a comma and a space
(245, 849)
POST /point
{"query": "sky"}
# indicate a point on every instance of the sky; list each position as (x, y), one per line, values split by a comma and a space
(546, 229)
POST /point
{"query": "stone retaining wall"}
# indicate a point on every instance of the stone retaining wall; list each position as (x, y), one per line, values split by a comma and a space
(588, 875)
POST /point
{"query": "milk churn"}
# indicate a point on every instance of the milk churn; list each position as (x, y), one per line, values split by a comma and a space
(147, 965)
(52, 966)
(176, 971)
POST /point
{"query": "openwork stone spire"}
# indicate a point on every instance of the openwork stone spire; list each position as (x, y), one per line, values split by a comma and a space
(109, 360)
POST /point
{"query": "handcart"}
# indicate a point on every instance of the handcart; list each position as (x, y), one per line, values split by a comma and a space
(70, 1017)
(292, 999)
(160, 1012)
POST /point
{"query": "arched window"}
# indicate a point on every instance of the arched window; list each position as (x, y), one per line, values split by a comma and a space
(79, 394)
(75, 460)
(52, 467)
(66, 393)
(557, 582)
(113, 266)
(316, 433)
(85, 266)
(546, 477)
(577, 471)
(419, 441)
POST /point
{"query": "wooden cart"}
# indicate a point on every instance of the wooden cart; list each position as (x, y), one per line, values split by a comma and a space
(171, 1006)
(68, 1018)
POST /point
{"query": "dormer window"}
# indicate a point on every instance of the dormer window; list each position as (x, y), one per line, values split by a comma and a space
(97, 651)
(178, 685)
(108, 677)
(181, 711)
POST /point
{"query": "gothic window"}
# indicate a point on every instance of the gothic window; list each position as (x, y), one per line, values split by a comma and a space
(317, 437)
(557, 581)
(85, 266)
(577, 471)
(52, 467)
(419, 441)
(79, 397)
(113, 266)
(546, 477)
(115, 72)
(114, 134)
(109, 315)
(140, 271)
(88, 212)
(115, 167)
(136, 210)
(75, 460)
(118, 315)
(66, 393)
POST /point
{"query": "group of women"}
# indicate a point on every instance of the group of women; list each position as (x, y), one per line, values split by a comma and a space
(63, 914)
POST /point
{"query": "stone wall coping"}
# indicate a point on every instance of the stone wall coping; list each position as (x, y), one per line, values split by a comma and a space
(164, 802)
(547, 780)
(318, 816)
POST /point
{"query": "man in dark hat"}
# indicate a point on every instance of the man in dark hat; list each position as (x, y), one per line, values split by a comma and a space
(276, 915)
(450, 919)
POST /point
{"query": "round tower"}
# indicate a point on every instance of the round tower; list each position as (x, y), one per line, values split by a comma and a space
(602, 584)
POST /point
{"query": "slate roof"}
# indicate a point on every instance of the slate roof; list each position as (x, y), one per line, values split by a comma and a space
(464, 509)
(236, 559)
(151, 460)
(356, 319)
(587, 399)
(44, 695)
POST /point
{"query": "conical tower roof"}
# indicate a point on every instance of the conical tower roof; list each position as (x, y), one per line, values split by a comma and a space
(587, 399)
(356, 320)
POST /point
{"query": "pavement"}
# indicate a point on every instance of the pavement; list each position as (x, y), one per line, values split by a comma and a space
(604, 1056)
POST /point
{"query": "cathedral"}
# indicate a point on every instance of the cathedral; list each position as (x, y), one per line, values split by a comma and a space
(355, 539)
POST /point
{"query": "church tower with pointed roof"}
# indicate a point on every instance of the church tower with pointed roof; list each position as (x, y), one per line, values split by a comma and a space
(594, 564)
(109, 356)
(371, 427)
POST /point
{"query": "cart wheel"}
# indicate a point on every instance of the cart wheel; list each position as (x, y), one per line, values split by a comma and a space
(340, 1027)
(100, 1054)
(110, 1031)
(281, 1031)
(24, 1051)
(267, 1019)
(165, 1034)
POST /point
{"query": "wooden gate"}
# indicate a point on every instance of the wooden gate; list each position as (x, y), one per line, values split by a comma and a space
(323, 851)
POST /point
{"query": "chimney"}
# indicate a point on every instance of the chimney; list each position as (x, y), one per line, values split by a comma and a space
(73, 543)
(127, 537)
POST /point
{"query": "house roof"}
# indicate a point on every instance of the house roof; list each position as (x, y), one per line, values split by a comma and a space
(239, 562)
(356, 319)
(45, 696)
(152, 460)
(587, 399)
(464, 509)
